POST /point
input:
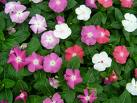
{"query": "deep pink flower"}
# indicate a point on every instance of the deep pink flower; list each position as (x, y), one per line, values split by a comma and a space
(55, 99)
(34, 62)
(38, 24)
(106, 3)
(91, 3)
(48, 40)
(58, 6)
(17, 58)
(135, 73)
(89, 35)
(104, 35)
(52, 63)
(126, 3)
(121, 54)
(54, 82)
(60, 19)
(73, 77)
(3, 1)
(23, 96)
(87, 98)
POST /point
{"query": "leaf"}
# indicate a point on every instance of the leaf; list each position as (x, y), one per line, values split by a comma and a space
(2, 21)
(8, 83)
(71, 4)
(125, 97)
(2, 38)
(118, 15)
(69, 96)
(34, 99)
(74, 63)
(1, 69)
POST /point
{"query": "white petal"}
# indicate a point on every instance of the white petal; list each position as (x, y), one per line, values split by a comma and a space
(99, 67)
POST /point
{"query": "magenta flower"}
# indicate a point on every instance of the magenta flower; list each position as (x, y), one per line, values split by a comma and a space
(73, 77)
(23, 96)
(17, 58)
(48, 40)
(52, 63)
(58, 6)
(55, 99)
(3, 1)
(34, 62)
(54, 82)
(91, 3)
(87, 98)
(38, 24)
(89, 35)
(60, 19)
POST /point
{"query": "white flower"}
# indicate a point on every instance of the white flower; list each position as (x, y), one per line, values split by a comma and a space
(62, 31)
(83, 12)
(130, 22)
(132, 87)
(101, 61)
(37, 1)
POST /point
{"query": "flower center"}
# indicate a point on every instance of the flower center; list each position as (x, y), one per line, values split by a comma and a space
(102, 34)
(22, 95)
(92, 1)
(52, 63)
(53, 102)
(35, 61)
(74, 54)
(90, 34)
(87, 98)
(121, 54)
(73, 77)
(38, 23)
(49, 39)
(18, 59)
(58, 2)
(19, 13)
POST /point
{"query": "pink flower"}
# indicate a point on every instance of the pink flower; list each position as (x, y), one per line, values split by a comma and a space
(17, 58)
(135, 73)
(73, 51)
(87, 98)
(38, 24)
(3, 1)
(126, 3)
(121, 54)
(73, 77)
(104, 35)
(23, 96)
(52, 63)
(60, 19)
(54, 82)
(55, 99)
(58, 6)
(89, 35)
(91, 3)
(34, 62)
(106, 3)
(48, 40)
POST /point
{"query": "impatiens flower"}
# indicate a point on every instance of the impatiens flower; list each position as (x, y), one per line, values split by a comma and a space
(55, 99)
(62, 31)
(126, 3)
(34, 62)
(120, 54)
(58, 6)
(135, 73)
(17, 58)
(103, 35)
(83, 12)
(48, 40)
(106, 3)
(91, 3)
(3, 101)
(37, 1)
(3, 1)
(130, 22)
(54, 82)
(38, 24)
(132, 87)
(60, 19)
(89, 35)
(52, 63)
(87, 97)
(101, 61)
(73, 77)
(23, 96)
(75, 50)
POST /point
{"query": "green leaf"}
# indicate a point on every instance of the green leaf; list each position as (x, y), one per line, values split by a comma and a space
(71, 4)
(2, 38)
(8, 83)
(34, 99)
(118, 14)
(125, 97)
(69, 96)
(2, 21)
(74, 63)
(1, 69)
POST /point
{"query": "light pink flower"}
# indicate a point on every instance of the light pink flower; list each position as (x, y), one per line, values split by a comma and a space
(73, 77)
(23, 96)
(54, 82)
(58, 6)
(89, 35)
(91, 3)
(34, 62)
(87, 98)
(126, 3)
(17, 58)
(106, 3)
(60, 19)
(121, 54)
(48, 40)
(52, 63)
(55, 99)
(104, 35)
(38, 24)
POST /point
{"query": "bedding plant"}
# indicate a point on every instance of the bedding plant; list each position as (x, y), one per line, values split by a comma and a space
(68, 51)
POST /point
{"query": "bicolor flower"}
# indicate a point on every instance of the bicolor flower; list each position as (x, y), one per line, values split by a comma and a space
(91, 3)
(52, 63)
(127, 3)
(48, 40)
(22, 96)
(38, 24)
(106, 3)
(101, 61)
(54, 82)
(37, 1)
(120, 54)
(73, 77)
(83, 12)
